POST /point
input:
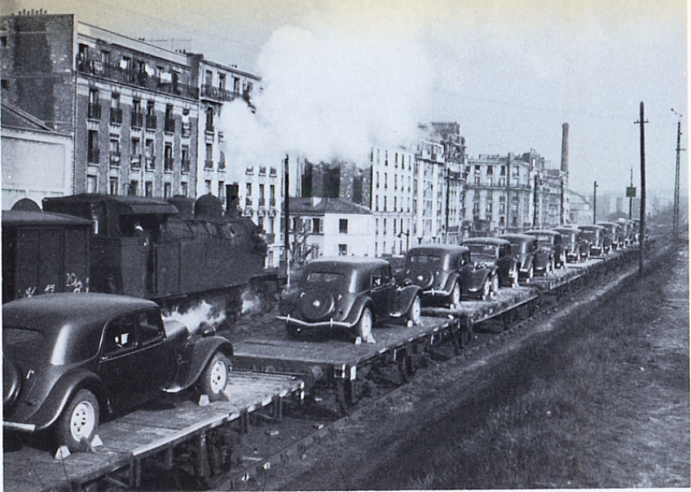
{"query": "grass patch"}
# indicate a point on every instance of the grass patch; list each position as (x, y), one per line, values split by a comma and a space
(601, 401)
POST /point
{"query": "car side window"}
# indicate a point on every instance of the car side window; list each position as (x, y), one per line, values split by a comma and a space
(120, 335)
(150, 326)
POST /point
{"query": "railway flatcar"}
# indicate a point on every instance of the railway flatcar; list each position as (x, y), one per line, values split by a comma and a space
(173, 252)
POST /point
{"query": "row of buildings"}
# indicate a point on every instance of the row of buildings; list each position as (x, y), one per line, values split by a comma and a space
(88, 110)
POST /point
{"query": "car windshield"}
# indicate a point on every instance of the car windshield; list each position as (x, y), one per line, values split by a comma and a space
(567, 238)
(22, 343)
(518, 248)
(589, 234)
(479, 252)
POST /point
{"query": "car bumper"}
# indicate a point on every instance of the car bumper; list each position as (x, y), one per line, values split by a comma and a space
(436, 293)
(16, 426)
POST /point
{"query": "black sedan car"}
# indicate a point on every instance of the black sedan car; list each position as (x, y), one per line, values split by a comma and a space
(616, 232)
(524, 247)
(351, 293)
(595, 235)
(550, 253)
(576, 247)
(446, 273)
(68, 358)
(495, 253)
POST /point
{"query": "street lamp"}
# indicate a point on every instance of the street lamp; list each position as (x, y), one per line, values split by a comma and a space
(595, 202)
(407, 238)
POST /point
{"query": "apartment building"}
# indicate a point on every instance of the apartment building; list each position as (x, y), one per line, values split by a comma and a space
(131, 107)
(429, 190)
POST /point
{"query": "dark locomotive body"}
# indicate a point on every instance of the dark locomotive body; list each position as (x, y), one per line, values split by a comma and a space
(171, 252)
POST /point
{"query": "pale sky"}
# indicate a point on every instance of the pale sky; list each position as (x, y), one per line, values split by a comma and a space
(342, 76)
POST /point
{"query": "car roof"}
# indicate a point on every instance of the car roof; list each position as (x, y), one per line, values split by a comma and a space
(445, 248)
(567, 229)
(347, 263)
(522, 237)
(549, 232)
(82, 311)
(486, 240)
(590, 226)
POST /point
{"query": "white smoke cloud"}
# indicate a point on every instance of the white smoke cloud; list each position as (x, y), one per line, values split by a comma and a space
(346, 80)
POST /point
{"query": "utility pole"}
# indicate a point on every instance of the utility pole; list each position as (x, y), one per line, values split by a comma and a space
(631, 197)
(642, 121)
(535, 203)
(286, 226)
(562, 208)
(675, 221)
(594, 202)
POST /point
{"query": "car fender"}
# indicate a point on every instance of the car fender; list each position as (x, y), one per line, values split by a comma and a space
(358, 307)
(201, 353)
(404, 298)
(450, 280)
(62, 393)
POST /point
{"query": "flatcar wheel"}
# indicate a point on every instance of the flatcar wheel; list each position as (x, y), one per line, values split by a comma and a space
(215, 377)
(78, 422)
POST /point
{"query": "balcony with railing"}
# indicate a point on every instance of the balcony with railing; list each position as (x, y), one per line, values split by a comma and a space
(137, 120)
(262, 202)
(218, 94)
(262, 171)
(168, 164)
(116, 116)
(185, 166)
(273, 172)
(136, 162)
(249, 170)
(248, 201)
(94, 111)
(162, 83)
(94, 156)
(169, 125)
(114, 158)
(150, 121)
(272, 202)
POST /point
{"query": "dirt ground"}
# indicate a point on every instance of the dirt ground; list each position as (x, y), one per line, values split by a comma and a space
(478, 420)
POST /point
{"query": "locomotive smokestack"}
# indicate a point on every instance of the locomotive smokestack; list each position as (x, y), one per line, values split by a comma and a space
(565, 148)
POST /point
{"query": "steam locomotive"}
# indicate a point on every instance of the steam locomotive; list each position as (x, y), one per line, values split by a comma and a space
(174, 252)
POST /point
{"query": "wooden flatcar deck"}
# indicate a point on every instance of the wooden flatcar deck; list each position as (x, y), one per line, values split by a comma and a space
(144, 433)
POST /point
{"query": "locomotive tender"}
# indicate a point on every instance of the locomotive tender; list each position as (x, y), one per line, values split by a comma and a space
(174, 252)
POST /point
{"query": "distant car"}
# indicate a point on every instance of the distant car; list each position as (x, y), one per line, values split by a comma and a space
(629, 228)
(524, 247)
(68, 358)
(446, 272)
(615, 232)
(550, 253)
(495, 253)
(576, 247)
(351, 293)
(596, 237)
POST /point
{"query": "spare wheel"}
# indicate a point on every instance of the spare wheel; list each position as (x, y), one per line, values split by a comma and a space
(317, 304)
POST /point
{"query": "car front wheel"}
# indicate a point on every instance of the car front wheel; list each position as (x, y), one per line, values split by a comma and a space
(364, 326)
(215, 377)
(414, 311)
(455, 297)
(78, 422)
(486, 289)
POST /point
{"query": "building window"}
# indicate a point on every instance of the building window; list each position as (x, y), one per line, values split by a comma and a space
(209, 158)
(316, 225)
(490, 170)
(222, 190)
(136, 151)
(167, 190)
(94, 153)
(210, 119)
(92, 184)
(133, 189)
(184, 188)
(168, 157)
(248, 189)
(150, 115)
(113, 189)
(94, 108)
(185, 159)
(137, 116)
(222, 81)
(114, 149)
(222, 160)
(342, 249)
(236, 85)
(377, 179)
(149, 154)
(502, 171)
(272, 195)
(115, 109)
(261, 195)
(343, 226)
(149, 188)
(385, 203)
(208, 77)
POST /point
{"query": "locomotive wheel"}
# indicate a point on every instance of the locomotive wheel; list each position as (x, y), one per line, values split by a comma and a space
(215, 377)
(78, 422)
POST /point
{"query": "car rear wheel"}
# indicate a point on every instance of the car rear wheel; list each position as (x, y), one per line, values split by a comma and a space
(78, 422)
(364, 326)
(414, 311)
(215, 377)
(455, 297)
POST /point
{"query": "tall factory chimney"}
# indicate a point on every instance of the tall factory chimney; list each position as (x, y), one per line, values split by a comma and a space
(565, 148)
